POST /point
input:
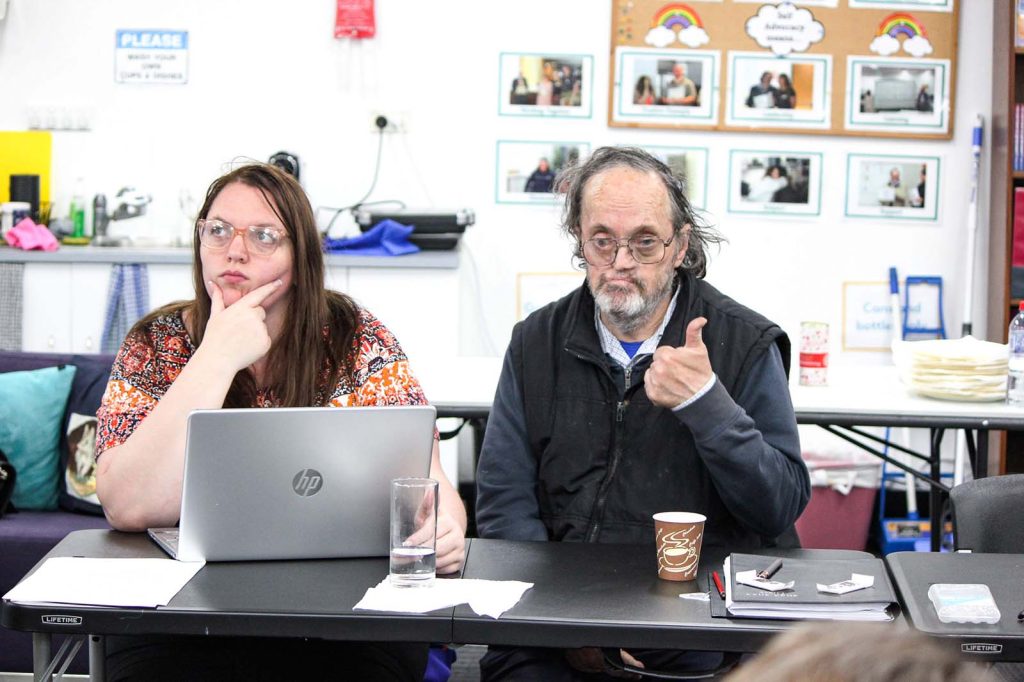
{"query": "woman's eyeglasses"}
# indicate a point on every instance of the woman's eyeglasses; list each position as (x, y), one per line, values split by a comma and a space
(261, 239)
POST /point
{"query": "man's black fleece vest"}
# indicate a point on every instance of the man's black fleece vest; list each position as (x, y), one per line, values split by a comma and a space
(606, 460)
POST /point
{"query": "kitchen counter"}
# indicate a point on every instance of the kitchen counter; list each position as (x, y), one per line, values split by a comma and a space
(112, 254)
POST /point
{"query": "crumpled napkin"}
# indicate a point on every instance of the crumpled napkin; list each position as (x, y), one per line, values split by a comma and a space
(486, 597)
(750, 578)
(27, 235)
(386, 238)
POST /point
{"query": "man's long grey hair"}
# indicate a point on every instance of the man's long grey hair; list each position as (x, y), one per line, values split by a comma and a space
(573, 181)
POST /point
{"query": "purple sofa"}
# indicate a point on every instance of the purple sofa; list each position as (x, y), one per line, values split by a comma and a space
(26, 536)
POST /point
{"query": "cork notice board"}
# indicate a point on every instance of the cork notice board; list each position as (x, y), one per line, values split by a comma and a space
(882, 68)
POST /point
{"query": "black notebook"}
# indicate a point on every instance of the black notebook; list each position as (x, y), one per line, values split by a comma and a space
(803, 600)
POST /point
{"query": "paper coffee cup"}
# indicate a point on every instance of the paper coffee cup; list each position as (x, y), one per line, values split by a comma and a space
(678, 536)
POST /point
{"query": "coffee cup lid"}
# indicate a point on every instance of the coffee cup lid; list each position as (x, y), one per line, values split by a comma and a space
(680, 517)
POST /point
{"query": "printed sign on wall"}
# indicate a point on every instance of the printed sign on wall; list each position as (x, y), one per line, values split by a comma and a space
(867, 316)
(867, 313)
(534, 290)
(151, 56)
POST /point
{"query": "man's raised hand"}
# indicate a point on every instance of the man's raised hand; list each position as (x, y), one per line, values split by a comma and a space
(676, 374)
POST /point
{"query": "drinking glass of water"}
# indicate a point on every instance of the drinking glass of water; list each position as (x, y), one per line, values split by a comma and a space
(413, 531)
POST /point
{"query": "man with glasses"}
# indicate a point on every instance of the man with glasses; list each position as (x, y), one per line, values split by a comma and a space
(645, 390)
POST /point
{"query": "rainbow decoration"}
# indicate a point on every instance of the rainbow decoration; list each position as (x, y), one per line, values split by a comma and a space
(676, 16)
(899, 24)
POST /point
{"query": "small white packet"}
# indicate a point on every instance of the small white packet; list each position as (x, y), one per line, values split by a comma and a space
(750, 578)
(696, 596)
(856, 582)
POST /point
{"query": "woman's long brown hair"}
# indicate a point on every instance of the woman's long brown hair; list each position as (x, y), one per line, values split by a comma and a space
(299, 357)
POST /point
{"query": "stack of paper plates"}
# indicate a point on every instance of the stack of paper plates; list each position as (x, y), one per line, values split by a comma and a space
(960, 369)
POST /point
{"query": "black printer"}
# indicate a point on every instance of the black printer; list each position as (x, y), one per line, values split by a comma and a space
(433, 230)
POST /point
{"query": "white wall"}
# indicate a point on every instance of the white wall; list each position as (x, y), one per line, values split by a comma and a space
(266, 76)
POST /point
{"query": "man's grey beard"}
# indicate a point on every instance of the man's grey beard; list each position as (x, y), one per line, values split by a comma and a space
(636, 310)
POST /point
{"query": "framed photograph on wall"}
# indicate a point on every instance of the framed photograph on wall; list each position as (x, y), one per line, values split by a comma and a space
(689, 164)
(665, 86)
(545, 84)
(1019, 18)
(535, 290)
(526, 170)
(906, 5)
(766, 91)
(892, 187)
(803, 3)
(910, 95)
(773, 182)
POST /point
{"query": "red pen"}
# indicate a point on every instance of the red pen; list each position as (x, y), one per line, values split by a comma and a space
(718, 584)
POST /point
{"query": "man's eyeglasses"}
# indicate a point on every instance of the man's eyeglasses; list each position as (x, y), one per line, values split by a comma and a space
(260, 239)
(646, 249)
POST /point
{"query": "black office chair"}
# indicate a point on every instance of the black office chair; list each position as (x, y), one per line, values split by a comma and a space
(986, 518)
(986, 514)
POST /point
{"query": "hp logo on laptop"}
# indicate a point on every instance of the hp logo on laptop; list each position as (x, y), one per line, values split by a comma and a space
(307, 482)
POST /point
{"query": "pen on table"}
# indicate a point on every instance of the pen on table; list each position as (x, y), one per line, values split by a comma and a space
(718, 584)
(771, 570)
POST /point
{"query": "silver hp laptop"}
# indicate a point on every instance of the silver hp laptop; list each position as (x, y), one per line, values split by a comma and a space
(294, 483)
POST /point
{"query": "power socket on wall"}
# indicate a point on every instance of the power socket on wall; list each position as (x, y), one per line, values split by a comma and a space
(395, 122)
(59, 118)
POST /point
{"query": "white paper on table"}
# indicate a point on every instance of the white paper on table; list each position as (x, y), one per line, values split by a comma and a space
(856, 582)
(105, 582)
(485, 597)
(750, 578)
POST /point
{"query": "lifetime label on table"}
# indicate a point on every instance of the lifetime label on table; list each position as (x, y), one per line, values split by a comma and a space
(151, 56)
(981, 648)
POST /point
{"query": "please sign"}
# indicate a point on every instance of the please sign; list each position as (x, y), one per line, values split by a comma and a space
(151, 56)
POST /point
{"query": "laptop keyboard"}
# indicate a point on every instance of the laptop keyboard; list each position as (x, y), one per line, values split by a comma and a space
(167, 538)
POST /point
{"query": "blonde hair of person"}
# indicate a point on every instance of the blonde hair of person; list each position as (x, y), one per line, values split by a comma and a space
(856, 652)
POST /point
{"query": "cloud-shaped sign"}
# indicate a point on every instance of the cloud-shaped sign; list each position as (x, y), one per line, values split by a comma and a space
(917, 46)
(885, 45)
(660, 36)
(693, 36)
(785, 28)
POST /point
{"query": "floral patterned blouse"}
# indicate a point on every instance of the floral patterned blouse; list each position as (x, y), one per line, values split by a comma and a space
(142, 373)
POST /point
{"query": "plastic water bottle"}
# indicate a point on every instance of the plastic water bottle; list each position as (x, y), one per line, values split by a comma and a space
(77, 211)
(1015, 379)
(99, 215)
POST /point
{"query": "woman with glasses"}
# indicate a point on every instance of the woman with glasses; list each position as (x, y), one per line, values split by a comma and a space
(262, 331)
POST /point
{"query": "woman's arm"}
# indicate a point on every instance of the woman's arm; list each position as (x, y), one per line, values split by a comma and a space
(451, 519)
(139, 481)
(392, 383)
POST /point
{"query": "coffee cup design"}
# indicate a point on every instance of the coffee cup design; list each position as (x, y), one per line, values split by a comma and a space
(678, 536)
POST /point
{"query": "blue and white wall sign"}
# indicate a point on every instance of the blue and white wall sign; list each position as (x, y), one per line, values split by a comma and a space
(151, 56)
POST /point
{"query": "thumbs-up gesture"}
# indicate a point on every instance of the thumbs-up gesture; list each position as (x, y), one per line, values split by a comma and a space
(676, 374)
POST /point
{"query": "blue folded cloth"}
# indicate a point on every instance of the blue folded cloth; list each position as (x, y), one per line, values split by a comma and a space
(127, 302)
(386, 238)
